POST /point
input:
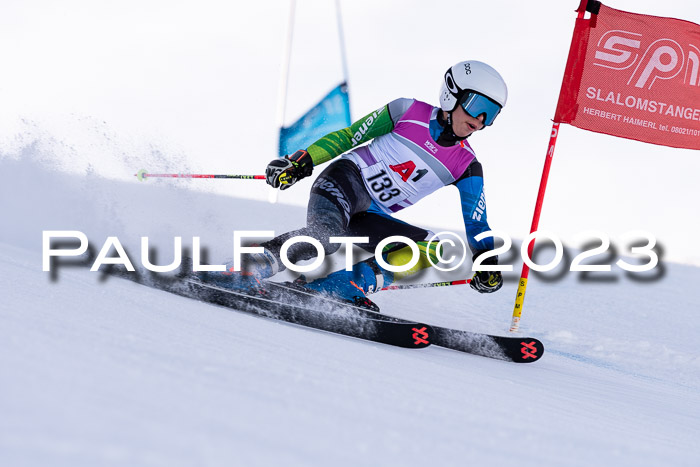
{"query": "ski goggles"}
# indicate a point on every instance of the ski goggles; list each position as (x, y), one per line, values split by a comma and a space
(475, 104)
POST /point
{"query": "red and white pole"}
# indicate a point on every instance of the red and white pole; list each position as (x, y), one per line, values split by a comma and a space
(522, 283)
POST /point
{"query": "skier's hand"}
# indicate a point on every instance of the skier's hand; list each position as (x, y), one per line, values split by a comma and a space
(285, 172)
(487, 281)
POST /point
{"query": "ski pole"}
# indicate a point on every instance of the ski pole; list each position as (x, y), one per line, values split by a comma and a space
(430, 284)
(143, 174)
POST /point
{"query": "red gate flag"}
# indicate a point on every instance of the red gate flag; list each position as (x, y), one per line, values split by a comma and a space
(633, 76)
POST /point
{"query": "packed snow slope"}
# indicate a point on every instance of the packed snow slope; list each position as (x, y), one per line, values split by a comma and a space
(108, 372)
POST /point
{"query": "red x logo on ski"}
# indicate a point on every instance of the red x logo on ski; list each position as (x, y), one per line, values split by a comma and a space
(529, 350)
(420, 336)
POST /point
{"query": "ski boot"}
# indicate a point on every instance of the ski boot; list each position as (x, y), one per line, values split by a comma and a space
(353, 286)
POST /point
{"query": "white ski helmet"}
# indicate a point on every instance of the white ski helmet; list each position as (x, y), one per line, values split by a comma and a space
(476, 77)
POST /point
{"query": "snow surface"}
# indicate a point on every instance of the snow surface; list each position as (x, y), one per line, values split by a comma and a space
(107, 372)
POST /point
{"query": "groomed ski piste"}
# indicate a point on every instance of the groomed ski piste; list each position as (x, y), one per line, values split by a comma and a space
(109, 372)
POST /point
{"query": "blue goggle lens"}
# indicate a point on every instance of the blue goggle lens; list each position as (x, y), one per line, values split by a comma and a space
(475, 104)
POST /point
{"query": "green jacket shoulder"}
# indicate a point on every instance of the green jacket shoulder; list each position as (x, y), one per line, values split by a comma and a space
(378, 123)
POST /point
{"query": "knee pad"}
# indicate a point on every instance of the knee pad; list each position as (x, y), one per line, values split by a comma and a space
(403, 256)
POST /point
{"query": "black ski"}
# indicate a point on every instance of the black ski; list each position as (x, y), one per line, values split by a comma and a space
(509, 348)
(336, 317)
(293, 304)
(512, 349)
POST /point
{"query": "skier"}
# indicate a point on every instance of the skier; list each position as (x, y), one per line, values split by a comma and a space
(415, 149)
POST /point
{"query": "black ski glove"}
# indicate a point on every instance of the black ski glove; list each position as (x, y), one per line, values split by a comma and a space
(487, 281)
(285, 172)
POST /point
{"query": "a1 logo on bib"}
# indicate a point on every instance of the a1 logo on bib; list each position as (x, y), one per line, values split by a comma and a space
(406, 169)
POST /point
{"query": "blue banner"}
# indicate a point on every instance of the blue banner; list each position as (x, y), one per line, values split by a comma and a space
(330, 114)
